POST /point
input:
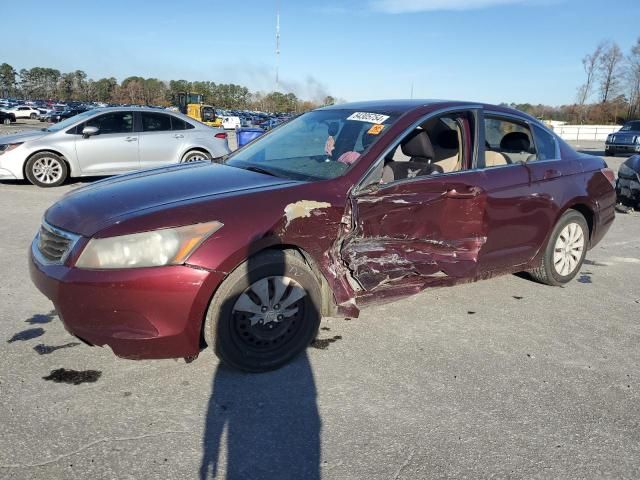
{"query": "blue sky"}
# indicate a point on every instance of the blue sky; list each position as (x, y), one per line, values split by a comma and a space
(481, 50)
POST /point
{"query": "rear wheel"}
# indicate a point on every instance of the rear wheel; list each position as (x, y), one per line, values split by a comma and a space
(265, 313)
(46, 169)
(195, 156)
(565, 251)
(33, 116)
(7, 121)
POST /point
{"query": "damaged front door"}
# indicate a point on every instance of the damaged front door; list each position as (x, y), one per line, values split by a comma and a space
(417, 232)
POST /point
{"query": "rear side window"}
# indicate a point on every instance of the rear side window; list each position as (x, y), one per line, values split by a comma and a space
(179, 124)
(507, 142)
(155, 122)
(115, 122)
(545, 144)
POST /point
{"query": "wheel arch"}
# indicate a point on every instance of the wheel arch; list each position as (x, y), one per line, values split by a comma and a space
(48, 150)
(195, 149)
(587, 212)
(328, 306)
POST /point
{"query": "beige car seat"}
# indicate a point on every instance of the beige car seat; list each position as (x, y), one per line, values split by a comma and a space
(447, 151)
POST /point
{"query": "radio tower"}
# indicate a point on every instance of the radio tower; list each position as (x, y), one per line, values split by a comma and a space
(277, 43)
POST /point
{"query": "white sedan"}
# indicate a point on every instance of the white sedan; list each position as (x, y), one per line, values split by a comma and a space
(107, 141)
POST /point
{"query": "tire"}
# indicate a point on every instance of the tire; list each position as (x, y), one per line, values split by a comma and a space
(268, 344)
(195, 156)
(611, 152)
(7, 121)
(33, 116)
(554, 272)
(46, 169)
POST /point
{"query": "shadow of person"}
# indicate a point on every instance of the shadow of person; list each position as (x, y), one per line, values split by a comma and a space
(270, 421)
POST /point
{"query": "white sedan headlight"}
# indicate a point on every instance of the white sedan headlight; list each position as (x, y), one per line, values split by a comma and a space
(168, 246)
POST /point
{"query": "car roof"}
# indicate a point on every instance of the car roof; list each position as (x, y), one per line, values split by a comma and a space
(406, 105)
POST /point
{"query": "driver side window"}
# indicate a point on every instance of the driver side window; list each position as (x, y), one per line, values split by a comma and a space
(433, 148)
(115, 122)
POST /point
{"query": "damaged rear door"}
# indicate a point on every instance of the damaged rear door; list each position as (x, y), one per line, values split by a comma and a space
(422, 231)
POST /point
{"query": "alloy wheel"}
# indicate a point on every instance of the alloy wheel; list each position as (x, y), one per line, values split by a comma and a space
(47, 170)
(195, 157)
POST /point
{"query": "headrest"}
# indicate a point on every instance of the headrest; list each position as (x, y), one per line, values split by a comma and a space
(448, 139)
(367, 140)
(417, 144)
(333, 128)
(515, 142)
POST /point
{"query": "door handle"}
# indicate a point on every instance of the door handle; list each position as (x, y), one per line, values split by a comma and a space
(178, 135)
(468, 193)
(131, 139)
(551, 173)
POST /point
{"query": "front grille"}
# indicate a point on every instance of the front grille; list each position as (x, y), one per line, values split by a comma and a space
(54, 245)
(622, 138)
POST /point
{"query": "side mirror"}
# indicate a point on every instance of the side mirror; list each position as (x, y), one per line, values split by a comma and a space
(88, 131)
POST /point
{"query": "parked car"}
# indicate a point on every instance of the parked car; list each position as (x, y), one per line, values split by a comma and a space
(56, 116)
(339, 208)
(7, 118)
(106, 142)
(231, 122)
(628, 183)
(25, 111)
(270, 123)
(625, 140)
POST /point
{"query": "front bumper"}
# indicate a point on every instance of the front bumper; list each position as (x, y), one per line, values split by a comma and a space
(628, 189)
(622, 147)
(6, 174)
(144, 313)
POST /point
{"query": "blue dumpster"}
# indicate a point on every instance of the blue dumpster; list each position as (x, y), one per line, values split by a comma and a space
(245, 135)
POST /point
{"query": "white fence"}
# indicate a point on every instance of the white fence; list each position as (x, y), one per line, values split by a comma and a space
(585, 132)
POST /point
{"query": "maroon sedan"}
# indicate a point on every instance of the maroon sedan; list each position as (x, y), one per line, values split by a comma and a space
(340, 208)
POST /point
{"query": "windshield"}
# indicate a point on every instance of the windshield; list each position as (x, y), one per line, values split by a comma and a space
(69, 121)
(208, 114)
(634, 126)
(318, 145)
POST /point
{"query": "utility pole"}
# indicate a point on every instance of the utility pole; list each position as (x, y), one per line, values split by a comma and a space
(277, 43)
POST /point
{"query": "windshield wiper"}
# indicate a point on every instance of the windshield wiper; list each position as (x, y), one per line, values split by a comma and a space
(256, 169)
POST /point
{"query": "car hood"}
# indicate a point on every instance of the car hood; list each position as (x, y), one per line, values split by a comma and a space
(633, 163)
(23, 136)
(92, 208)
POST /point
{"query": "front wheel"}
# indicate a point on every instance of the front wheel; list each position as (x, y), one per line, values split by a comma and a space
(46, 169)
(265, 313)
(33, 116)
(195, 156)
(565, 251)
(7, 121)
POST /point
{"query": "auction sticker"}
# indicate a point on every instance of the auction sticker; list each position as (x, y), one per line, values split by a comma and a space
(375, 129)
(368, 117)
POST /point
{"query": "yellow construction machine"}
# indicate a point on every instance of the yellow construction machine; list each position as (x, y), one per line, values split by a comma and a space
(191, 104)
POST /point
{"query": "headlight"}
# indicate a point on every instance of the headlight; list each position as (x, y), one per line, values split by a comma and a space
(636, 139)
(169, 246)
(9, 146)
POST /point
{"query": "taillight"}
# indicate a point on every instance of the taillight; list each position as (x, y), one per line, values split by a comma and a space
(221, 135)
(607, 172)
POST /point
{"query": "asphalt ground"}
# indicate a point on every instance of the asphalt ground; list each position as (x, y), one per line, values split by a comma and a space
(504, 378)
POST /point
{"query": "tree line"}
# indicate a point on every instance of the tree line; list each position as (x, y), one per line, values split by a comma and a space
(50, 83)
(610, 92)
